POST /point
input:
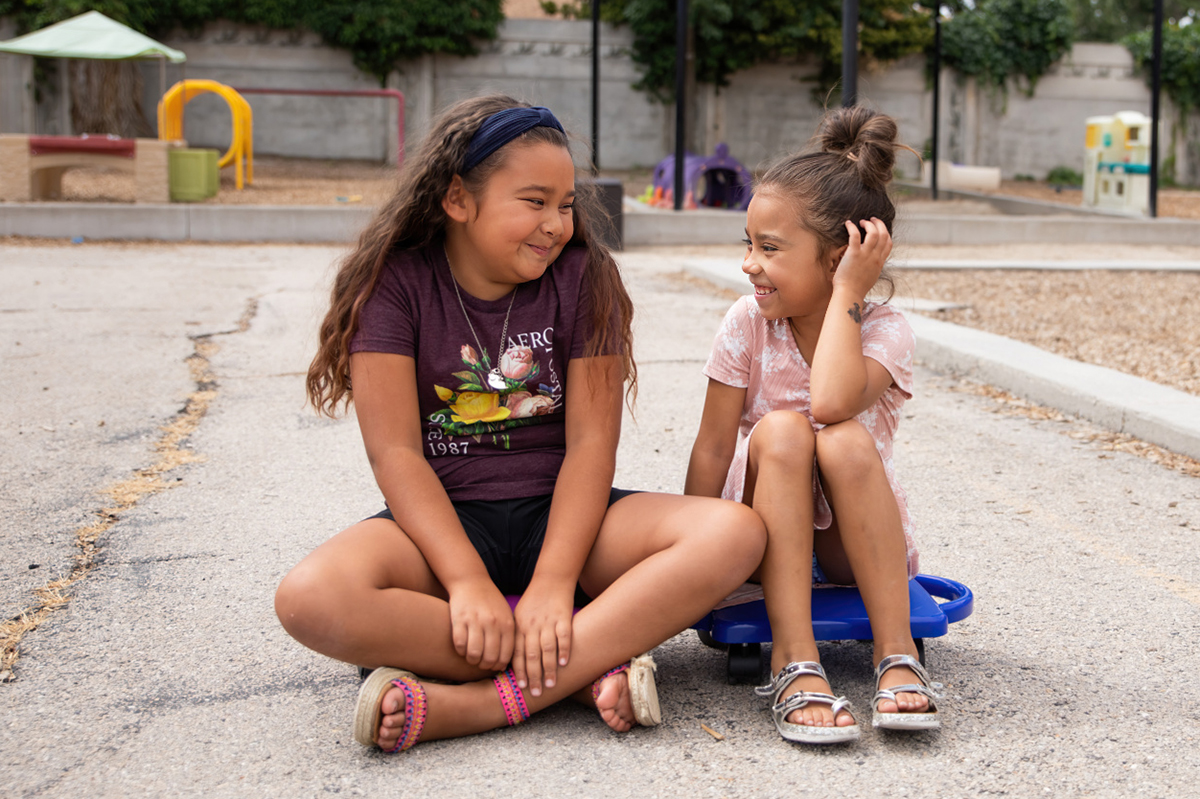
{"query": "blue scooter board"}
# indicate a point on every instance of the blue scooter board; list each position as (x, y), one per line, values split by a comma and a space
(838, 615)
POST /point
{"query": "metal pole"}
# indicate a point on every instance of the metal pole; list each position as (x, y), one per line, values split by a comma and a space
(1155, 105)
(595, 86)
(64, 96)
(937, 85)
(681, 21)
(849, 52)
(183, 101)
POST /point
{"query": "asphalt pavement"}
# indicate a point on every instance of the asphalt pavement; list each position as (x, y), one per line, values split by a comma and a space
(167, 673)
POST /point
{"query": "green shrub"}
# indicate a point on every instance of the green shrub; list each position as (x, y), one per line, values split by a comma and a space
(731, 36)
(1064, 176)
(1180, 64)
(378, 33)
(1002, 39)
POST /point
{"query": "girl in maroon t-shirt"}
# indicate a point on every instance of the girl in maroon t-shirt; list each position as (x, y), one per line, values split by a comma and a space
(484, 337)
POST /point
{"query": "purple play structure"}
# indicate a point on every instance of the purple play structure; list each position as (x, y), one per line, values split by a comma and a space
(727, 184)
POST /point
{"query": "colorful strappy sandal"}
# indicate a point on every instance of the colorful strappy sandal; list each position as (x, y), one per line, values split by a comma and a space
(368, 712)
(643, 693)
(782, 708)
(929, 720)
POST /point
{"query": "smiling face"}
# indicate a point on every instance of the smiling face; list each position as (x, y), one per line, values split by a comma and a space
(513, 228)
(791, 277)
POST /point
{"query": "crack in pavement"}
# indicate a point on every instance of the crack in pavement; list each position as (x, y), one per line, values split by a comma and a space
(170, 454)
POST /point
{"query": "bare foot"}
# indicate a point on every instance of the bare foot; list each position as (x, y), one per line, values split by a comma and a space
(906, 702)
(614, 703)
(815, 714)
(391, 725)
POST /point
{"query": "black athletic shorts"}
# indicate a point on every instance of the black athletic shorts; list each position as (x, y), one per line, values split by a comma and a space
(508, 535)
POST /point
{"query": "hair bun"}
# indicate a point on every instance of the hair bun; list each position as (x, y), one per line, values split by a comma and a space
(865, 138)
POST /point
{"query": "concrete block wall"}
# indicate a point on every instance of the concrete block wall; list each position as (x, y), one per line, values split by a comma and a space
(306, 127)
(549, 62)
(770, 110)
(1031, 135)
(16, 87)
(766, 111)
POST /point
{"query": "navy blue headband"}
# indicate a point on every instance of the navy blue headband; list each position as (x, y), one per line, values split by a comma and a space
(504, 126)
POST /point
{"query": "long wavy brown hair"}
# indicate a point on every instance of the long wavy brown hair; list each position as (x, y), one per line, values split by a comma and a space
(414, 218)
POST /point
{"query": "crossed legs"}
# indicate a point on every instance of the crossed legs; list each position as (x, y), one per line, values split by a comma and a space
(367, 596)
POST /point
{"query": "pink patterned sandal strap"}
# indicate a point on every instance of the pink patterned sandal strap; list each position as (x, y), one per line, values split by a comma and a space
(511, 697)
(596, 685)
(415, 706)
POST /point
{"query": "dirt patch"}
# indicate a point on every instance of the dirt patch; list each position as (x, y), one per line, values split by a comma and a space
(300, 181)
(285, 181)
(1179, 203)
(1133, 322)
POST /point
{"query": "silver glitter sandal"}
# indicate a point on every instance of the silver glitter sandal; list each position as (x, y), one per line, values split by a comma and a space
(929, 720)
(806, 733)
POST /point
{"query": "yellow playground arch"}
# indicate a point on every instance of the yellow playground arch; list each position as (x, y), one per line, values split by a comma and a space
(241, 147)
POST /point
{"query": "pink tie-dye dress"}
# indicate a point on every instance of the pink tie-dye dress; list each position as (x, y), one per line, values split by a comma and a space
(761, 356)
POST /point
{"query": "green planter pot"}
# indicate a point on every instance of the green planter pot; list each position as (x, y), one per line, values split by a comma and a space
(194, 175)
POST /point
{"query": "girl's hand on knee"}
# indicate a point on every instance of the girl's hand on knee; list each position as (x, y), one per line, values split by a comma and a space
(482, 625)
(543, 640)
(864, 257)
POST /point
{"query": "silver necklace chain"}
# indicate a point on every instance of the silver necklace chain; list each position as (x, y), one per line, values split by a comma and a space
(495, 376)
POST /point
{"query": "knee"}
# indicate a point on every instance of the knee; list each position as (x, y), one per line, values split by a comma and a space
(739, 533)
(302, 601)
(783, 437)
(846, 448)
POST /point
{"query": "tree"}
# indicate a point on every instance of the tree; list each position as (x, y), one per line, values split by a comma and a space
(1180, 75)
(1180, 66)
(1110, 20)
(378, 33)
(732, 35)
(1003, 39)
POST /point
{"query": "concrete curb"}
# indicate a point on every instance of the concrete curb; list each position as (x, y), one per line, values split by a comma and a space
(176, 222)
(643, 226)
(1060, 266)
(994, 230)
(1114, 400)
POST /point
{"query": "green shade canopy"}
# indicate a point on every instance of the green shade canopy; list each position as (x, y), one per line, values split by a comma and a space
(90, 35)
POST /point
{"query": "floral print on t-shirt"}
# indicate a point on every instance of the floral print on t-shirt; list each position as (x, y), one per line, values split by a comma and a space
(491, 400)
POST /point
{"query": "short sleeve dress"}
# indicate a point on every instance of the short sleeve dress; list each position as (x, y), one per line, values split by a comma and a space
(761, 356)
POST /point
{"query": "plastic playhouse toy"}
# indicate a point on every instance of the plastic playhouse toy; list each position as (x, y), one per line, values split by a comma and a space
(726, 183)
(838, 615)
(1116, 162)
(241, 146)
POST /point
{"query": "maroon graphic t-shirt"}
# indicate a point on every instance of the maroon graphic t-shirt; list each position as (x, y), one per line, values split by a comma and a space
(487, 435)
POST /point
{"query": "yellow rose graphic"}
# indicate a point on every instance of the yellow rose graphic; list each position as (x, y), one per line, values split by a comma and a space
(443, 393)
(476, 406)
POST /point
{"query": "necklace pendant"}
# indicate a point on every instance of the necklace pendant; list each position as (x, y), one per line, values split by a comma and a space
(496, 380)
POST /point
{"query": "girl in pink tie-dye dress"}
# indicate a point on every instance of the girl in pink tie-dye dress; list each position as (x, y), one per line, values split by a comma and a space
(806, 382)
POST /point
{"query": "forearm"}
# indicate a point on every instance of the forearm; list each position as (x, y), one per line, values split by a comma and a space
(716, 441)
(580, 501)
(838, 383)
(422, 509)
(707, 472)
